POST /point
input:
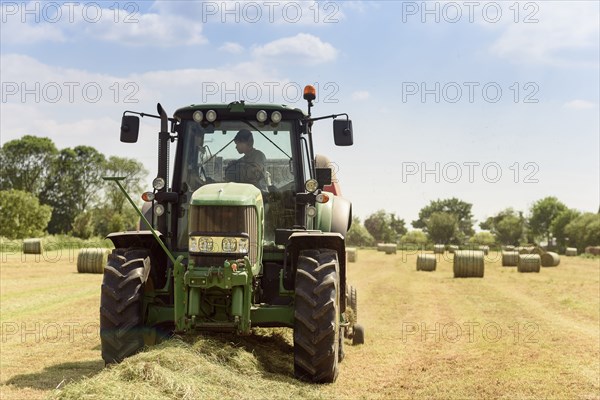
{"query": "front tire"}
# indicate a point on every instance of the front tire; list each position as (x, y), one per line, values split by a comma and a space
(121, 302)
(316, 316)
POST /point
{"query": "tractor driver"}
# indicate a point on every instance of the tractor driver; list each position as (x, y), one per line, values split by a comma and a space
(251, 168)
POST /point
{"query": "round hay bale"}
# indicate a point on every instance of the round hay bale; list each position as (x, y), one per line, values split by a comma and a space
(550, 259)
(351, 254)
(595, 250)
(485, 249)
(529, 263)
(426, 262)
(32, 246)
(452, 248)
(438, 249)
(508, 248)
(91, 260)
(380, 247)
(390, 248)
(468, 264)
(510, 258)
(571, 251)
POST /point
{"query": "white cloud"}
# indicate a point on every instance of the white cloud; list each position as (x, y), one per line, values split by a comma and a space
(302, 48)
(581, 105)
(360, 95)
(232, 48)
(565, 34)
(38, 22)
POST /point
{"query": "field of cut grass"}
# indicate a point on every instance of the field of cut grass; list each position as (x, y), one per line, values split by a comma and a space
(428, 335)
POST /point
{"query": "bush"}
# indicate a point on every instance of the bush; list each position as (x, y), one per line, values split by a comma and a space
(21, 215)
(584, 231)
(483, 238)
(415, 237)
(358, 235)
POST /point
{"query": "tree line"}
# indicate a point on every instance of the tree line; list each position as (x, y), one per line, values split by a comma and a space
(450, 221)
(43, 189)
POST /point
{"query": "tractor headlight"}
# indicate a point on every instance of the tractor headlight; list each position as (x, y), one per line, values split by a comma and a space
(198, 116)
(159, 209)
(158, 183)
(261, 116)
(311, 185)
(219, 244)
(211, 115)
(276, 117)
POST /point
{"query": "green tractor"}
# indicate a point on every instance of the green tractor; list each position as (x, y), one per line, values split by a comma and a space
(234, 243)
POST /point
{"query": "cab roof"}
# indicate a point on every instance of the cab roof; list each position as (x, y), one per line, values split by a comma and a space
(240, 108)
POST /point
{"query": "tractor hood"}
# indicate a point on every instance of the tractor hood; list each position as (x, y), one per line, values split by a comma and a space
(228, 194)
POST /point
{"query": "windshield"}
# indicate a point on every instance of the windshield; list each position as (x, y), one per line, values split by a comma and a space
(244, 152)
(239, 151)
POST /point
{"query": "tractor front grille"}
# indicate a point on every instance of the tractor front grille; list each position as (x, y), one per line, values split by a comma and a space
(224, 220)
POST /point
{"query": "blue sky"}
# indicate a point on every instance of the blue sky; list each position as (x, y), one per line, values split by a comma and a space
(496, 103)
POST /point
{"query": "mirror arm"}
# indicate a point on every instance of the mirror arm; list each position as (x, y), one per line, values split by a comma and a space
(325, 117)
(147, 115)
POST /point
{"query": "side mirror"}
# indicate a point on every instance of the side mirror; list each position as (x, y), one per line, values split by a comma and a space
(342, 132)
(130, 128)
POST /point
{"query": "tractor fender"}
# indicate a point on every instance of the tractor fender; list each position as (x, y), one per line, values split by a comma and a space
(127, 239)
(307, 240)
(335, 215)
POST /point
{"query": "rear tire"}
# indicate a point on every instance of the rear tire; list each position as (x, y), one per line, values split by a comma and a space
(359, 335)
(121, 301)
(316, 316)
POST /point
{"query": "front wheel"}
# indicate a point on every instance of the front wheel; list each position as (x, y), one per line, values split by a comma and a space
(121, 319)
(316, 316)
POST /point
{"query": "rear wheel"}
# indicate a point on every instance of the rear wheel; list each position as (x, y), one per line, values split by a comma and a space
(121, 301)
(316, 317)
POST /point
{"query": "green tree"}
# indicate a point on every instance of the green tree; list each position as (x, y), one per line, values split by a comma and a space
(105, 219)
(543, 212)
(82, 226)
(21, 215)
(76, 178)
(385, 227)
(508, 226)
(483, 238)
(25, 163)
(560, 223)
(358, 235)
(442, 227)
(416, 238)
(132, 170)
(584, 231)
(461, 211)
